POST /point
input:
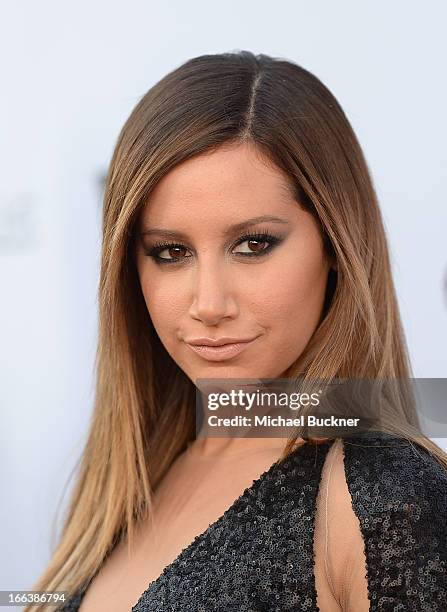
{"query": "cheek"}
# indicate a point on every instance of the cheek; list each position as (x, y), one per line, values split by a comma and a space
(289, 298)
(164, 304)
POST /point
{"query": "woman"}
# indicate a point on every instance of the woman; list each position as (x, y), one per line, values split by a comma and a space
(239, 206)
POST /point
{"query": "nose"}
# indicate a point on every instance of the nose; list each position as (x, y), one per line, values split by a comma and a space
(213, 293)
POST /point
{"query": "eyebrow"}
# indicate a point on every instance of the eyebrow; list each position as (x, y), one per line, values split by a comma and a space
(236, 227)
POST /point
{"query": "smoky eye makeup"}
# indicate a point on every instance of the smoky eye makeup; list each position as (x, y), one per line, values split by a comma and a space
(250, 245)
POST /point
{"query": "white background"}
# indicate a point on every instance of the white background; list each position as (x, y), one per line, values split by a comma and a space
(70, 75)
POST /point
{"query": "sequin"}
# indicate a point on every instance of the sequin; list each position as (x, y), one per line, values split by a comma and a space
(258, 557)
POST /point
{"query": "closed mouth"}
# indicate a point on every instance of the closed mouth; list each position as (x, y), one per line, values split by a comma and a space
(222, 351)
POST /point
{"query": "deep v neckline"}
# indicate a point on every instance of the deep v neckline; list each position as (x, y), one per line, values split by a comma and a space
(251, 489)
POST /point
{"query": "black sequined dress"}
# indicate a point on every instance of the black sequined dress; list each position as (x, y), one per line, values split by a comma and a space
(258, 556)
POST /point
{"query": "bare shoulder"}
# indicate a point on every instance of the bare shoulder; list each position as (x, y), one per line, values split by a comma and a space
(340, 564)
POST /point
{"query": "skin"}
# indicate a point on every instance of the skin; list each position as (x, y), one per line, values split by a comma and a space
(213, 289)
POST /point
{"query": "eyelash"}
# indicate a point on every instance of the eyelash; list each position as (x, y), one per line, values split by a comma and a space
(260, 236)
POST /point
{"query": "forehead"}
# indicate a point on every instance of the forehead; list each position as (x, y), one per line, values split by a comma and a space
(223, 186)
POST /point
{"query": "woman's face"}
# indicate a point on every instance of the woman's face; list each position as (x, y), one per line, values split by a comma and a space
(204, 277)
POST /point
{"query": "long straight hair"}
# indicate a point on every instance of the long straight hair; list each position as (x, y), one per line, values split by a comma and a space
(143, 415)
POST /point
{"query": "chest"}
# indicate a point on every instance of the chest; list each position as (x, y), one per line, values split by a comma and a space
(189, 499)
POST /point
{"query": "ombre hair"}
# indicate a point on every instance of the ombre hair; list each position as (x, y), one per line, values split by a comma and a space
(144, 408)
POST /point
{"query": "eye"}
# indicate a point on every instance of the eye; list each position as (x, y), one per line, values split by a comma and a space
(258, 245)
(168, 252)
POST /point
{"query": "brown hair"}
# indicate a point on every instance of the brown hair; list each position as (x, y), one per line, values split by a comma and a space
(144, 407)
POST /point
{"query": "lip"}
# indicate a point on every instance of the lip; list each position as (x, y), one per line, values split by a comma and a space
(217, 341)
(219, 352)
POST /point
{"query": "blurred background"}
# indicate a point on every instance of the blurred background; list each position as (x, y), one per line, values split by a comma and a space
(71, 74)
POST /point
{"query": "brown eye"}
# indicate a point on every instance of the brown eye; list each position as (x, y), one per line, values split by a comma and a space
(259, 244)
(255, 245)
(175, 252)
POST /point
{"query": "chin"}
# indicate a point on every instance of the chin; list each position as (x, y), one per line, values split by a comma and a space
(229, 371)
